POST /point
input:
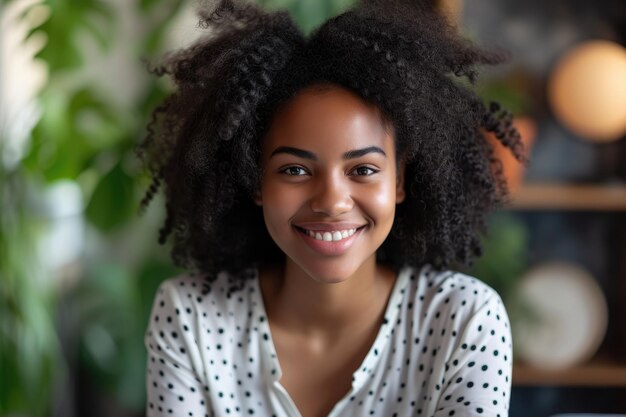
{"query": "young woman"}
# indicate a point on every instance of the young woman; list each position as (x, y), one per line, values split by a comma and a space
(321, 192)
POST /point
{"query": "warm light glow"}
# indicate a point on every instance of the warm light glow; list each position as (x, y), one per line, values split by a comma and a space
(587, 90)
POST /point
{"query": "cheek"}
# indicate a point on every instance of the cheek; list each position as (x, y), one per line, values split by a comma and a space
(279, 205)
(383, 198)
(380, 201)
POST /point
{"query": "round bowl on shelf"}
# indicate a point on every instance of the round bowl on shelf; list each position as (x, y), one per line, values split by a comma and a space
(566, 319)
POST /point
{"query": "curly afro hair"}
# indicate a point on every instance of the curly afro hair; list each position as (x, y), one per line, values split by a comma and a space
(203, 140)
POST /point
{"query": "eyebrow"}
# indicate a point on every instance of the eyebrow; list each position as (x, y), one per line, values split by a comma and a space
(301, 153)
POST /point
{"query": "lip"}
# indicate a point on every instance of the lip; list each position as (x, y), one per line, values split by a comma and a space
(326, 227)
(331, 248)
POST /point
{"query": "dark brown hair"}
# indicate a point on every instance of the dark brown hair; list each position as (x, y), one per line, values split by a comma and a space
(203, 141)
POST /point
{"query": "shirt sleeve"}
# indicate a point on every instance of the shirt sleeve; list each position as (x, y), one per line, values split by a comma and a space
(478, 375)
(172, 379)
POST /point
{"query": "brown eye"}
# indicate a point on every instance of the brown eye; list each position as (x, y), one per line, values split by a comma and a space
(364, 171)
(293, 171)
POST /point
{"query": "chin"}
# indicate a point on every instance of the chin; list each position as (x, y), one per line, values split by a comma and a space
(331, 272)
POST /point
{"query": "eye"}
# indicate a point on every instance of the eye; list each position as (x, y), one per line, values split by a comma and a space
(364, 171)
(293, 171)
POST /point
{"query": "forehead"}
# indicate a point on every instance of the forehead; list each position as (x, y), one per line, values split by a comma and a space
(324, 115)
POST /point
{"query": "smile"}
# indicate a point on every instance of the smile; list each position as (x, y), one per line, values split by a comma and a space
(330, 236)
(330, 242)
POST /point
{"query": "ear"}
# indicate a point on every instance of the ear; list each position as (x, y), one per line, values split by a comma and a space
(257, 198)
(400, 192)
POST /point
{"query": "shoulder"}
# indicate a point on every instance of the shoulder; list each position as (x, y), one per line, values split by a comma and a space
(448, 289)
(463, 328)
(452, 300)
(196, 291)
(191, 298)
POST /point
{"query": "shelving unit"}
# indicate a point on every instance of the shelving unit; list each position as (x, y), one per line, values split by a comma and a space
(594, 374)
(570, 197)
(601, 371)
(578, 223)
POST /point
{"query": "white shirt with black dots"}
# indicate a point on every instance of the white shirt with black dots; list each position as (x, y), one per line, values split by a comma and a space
(444, 349)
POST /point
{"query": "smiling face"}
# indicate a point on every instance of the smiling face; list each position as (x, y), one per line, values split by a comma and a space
(329, 186)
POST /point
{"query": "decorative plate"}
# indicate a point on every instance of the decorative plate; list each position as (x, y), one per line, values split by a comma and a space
(564, 319)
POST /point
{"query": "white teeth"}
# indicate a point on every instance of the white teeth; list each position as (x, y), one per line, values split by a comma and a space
(334, 236)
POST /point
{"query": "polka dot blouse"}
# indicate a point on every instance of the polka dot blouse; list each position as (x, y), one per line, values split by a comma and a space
(444, 349)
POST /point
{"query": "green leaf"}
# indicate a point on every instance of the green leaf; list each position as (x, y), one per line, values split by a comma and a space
(504, 253)
(30, 355)
(148, 5)
(112, 202)
(95, 121)
(68, 21)
(154, 40)
(74, 130)
(310, 14)
(339, 6)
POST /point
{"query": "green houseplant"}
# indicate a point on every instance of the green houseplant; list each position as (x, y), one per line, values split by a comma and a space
(87, 316)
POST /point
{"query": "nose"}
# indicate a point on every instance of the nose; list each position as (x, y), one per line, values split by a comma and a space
(332, 195)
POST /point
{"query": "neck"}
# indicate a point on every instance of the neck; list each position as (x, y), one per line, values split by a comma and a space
(302, 305)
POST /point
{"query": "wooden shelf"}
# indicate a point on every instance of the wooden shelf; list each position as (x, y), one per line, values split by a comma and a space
(569, 197)
(589, 375)
(601, 371)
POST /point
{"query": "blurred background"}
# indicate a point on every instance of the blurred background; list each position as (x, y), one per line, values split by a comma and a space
(79, 267)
